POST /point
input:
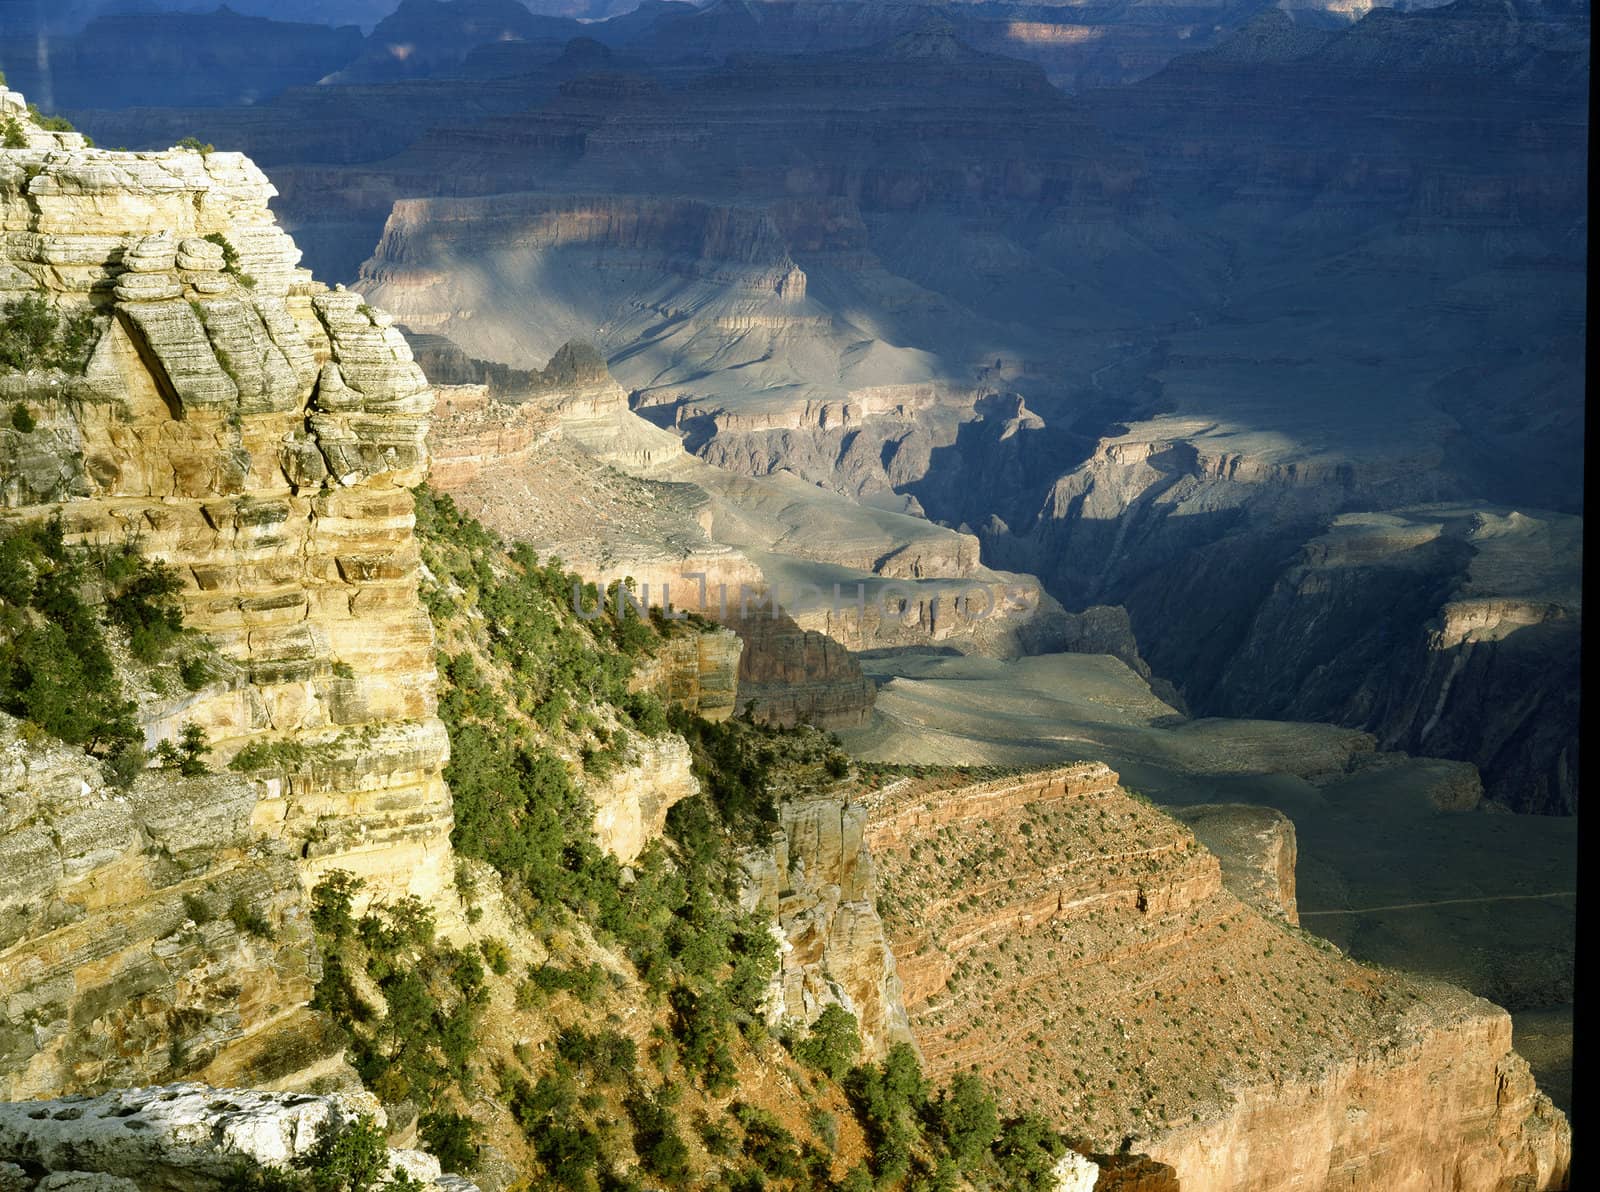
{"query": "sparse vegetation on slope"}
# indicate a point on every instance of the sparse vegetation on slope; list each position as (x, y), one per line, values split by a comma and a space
(615, 1038)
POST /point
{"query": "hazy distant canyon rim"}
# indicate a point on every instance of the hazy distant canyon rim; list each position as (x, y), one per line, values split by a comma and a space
(1272, 448)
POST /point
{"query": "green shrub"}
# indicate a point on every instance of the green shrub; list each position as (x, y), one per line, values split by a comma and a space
(584, 982)
(497, 955)
(263, 755)
(196, 145)
(1027, 1152)
(55, 667)
(568, 1149)
(145, 607)
(608, 1057)
(194, 672)
(700, 1025)
(452, 1138)
(966, 1119)
(832, 1044)
(432, 994)
(34, 334)
(230, 255)
(188, 755)
(22, 420)
(889, 1098)
(657, 1139)
(49, 123)
(249, 920)
(354, 1160)
(769, 1144)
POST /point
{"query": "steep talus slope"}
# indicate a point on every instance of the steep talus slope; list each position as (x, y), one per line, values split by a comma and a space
(1079, 946)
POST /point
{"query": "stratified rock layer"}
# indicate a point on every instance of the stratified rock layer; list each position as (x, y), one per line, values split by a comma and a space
(128, 921)
(259, 433)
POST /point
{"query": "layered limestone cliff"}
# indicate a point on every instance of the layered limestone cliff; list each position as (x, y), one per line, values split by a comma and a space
(799, 676)
(258, 432)
(698, 672)
(1080, 948)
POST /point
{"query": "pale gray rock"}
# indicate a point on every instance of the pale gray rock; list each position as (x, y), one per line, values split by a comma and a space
(85, 1181)
(185, 1137)
(146, 287)
(375, 367)
(197, 253)
(257, 366)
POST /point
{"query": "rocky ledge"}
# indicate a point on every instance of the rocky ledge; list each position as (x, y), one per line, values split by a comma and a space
(185, 1138)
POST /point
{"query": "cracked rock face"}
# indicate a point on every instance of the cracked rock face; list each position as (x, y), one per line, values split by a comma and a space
(126, 922)
(817, 879)
(260, 433)
(180, 1138)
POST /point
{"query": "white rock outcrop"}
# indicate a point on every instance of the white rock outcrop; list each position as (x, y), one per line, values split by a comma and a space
(1074, 1173)
(180, 1138)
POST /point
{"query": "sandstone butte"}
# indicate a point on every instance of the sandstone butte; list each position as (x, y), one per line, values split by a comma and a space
(263, 437)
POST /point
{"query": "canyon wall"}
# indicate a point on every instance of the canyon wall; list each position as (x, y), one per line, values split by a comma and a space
(631, 803)
(698, 672)
(1080, 948)
(259, 433)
